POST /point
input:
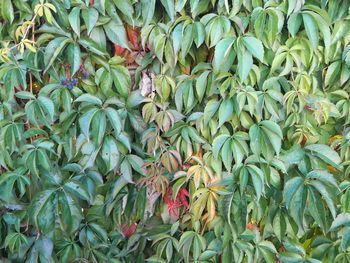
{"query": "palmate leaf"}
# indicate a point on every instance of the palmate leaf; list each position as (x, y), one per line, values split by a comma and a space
(231, 147)
(75, 188)
(39, 204)
(266, 138)
(325, 153)
(297, 189)
(44, 206)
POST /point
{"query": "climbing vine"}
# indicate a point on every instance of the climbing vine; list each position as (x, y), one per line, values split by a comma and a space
(174, 131)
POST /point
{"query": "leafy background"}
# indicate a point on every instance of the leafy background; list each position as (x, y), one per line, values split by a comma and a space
(174, 131)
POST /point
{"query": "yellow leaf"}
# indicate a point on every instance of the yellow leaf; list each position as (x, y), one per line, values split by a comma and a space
(51, 6)
(211, 208)
(19, 32)
(48, 14)
(39, 10)
(334, 141)
(30, 47)
(21, 48)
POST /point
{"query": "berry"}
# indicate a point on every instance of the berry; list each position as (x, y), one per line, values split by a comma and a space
(250, 227)
(69, 83)
(85, 74)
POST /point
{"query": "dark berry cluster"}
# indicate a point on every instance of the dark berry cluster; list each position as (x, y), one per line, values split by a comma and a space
(85, 74)
(69, 83)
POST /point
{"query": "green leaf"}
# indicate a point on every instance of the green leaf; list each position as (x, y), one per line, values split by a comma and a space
(224, 54)
(326, 195)
(126, 171)
(110, 153)
(47, 105)
(76, 188)
(91, 45)
(201, 85)
(136, 163)
(342, 219)
(148, 7)
(70, 214)
(311, 29)
(225, 111)
(117, 34)
(74, 20)
(121, 79)
(332, 74)
(210, 110)
(245, 63)
(274, 133)
(44, 159)
(24, 95)
(90, 17)
(199, 33)
(89, 99)
(218, 143)
(38, 204)
(159, 42)
(323, 176)
(7, 10)
(294, 23)
(279, 226)
(325, 153)
(74, 57)
(169, 8)
(227, 155)
(53, 49)
(291, 188)
(124, 6)
(114, 119)
(255, 47)
(257, 177)
(187, 39)
(85, 121)
(99, 127)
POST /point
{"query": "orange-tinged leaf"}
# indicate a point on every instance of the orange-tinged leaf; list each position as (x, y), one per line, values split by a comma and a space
(118, 50)
(332, 169)
(133, 34)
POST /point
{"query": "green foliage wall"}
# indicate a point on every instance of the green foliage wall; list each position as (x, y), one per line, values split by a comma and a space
(174, 131)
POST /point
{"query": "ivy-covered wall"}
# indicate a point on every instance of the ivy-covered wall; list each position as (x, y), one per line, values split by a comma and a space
(174, 131)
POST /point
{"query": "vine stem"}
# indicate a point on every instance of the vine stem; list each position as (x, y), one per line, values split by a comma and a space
(31, 25)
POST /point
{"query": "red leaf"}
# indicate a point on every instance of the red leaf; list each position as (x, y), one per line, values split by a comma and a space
(133, 34)
(170, 203)
(181, 197)
(118, 50)
(127, 231)
(92, 2)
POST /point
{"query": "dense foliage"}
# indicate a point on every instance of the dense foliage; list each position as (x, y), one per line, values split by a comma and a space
(174, 131)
